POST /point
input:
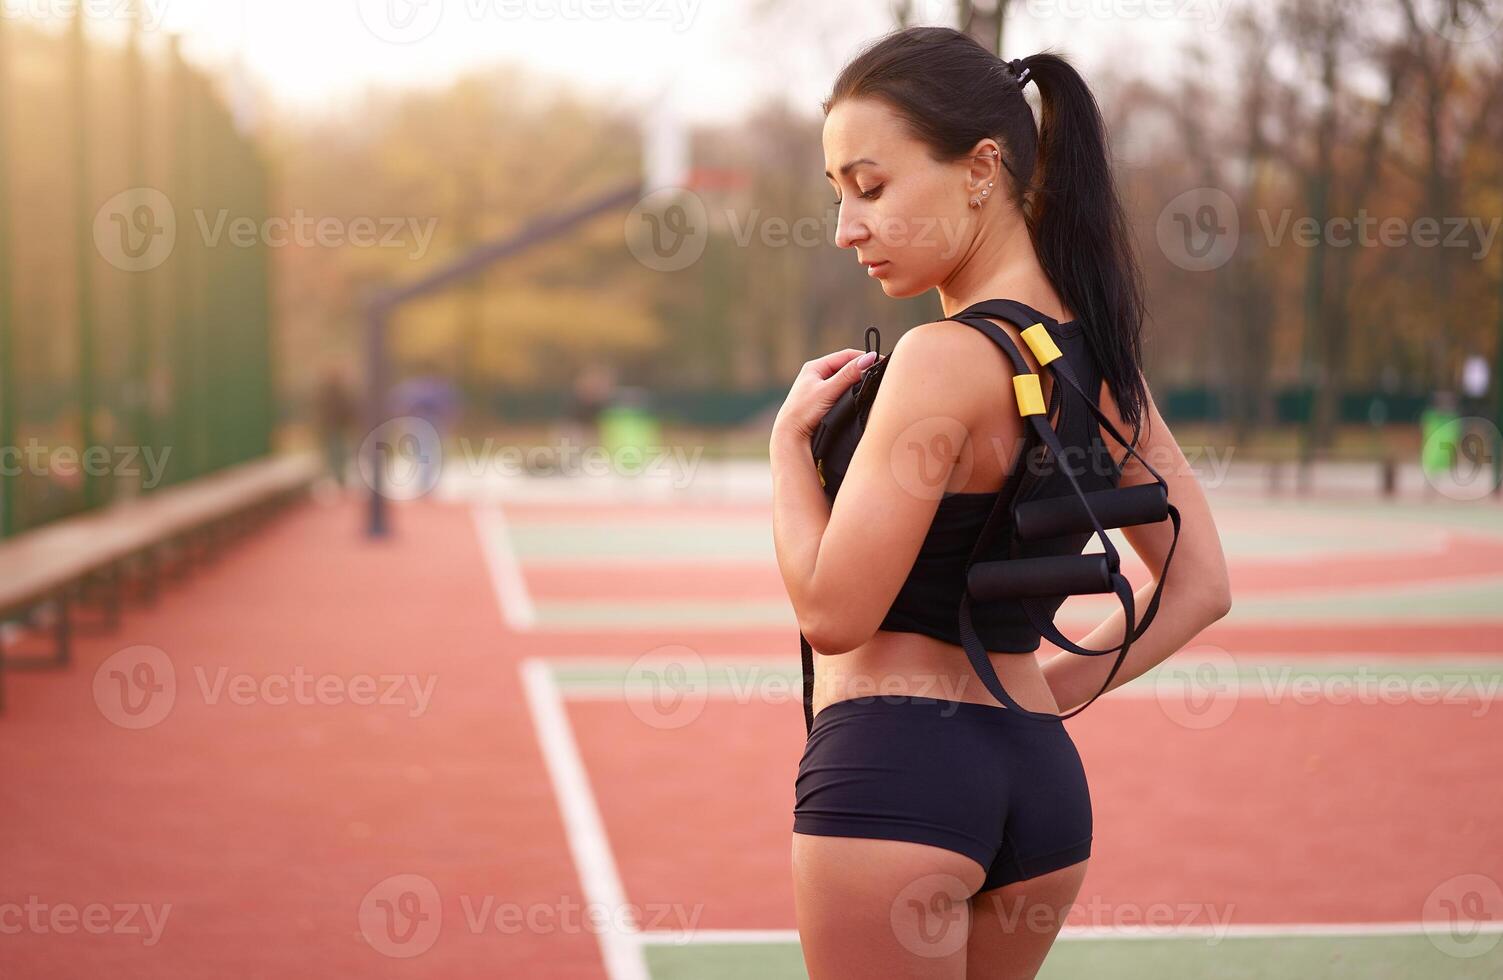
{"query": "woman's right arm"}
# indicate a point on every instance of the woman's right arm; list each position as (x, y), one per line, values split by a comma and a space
(1197, 591)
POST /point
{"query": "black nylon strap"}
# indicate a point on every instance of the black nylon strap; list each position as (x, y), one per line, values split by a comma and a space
(806, 653)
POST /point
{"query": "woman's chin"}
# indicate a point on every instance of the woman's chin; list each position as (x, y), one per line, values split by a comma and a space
(895, 288)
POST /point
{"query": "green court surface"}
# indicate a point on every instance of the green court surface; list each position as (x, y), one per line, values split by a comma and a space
(1270, 957)
(1470, 677)
(644, 539)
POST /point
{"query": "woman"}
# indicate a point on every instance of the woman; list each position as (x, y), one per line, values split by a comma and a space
(938, 833)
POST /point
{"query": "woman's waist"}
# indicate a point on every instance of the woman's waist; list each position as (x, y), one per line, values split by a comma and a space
(893, 662)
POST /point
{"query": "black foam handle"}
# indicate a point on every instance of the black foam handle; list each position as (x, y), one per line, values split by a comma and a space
(1043, 577)
(1143, 503)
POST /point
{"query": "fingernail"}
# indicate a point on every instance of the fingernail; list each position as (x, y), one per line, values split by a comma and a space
(865, 360)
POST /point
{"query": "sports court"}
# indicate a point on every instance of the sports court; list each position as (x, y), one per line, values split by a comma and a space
(544, 696)
(387, 578)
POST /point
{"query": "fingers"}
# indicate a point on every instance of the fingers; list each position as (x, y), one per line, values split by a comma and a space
(827, 366)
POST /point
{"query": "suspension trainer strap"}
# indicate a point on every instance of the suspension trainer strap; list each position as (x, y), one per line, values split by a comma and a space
(1030, 404)
(1050, 356)
(1031, 407)
(807, 655)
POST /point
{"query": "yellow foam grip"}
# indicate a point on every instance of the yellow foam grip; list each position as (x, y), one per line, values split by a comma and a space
(1042, 344)
(1030, 395)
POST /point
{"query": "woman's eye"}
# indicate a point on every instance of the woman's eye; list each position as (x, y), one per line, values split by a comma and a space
(870, 195)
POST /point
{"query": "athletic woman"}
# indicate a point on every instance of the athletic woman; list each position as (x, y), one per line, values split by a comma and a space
(938, 833)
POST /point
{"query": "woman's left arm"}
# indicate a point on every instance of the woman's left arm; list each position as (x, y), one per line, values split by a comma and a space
(916, 433)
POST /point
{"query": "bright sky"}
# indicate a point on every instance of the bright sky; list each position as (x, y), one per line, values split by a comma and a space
(716, 57)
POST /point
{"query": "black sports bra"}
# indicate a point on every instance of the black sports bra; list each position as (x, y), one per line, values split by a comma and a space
(929, 600)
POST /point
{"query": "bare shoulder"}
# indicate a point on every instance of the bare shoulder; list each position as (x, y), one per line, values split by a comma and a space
(938, 362)
(945, 337)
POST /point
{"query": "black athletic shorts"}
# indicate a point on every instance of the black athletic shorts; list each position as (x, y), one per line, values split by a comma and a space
(1004, 789)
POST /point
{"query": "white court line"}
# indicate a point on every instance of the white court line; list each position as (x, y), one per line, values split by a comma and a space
(506, 571)
(583, 828)
(675, 937)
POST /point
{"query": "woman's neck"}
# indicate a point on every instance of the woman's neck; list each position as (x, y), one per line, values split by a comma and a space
(1001, 264)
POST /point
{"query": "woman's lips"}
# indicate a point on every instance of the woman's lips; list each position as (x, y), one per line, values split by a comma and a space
(877, 268)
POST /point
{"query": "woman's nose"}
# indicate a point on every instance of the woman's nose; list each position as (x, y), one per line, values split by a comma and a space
(849, 231)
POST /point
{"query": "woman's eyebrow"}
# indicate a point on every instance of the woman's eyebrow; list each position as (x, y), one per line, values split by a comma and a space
(850, 166)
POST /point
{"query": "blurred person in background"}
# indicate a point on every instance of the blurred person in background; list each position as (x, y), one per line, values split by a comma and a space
(429, 405)
(335, 413)
(592, 391)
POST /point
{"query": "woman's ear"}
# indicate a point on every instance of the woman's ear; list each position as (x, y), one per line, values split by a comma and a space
(984, 174)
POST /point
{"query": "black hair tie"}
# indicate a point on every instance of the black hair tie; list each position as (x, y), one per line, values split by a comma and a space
(1022, 74)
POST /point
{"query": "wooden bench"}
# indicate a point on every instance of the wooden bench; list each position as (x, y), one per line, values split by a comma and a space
(76, 557)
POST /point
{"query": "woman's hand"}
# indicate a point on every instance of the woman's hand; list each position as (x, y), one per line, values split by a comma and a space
(819, 383)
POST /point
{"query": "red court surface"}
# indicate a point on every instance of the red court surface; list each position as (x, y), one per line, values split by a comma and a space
(265, 826)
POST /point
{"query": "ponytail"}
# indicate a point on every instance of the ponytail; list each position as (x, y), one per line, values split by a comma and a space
(1079, 228)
